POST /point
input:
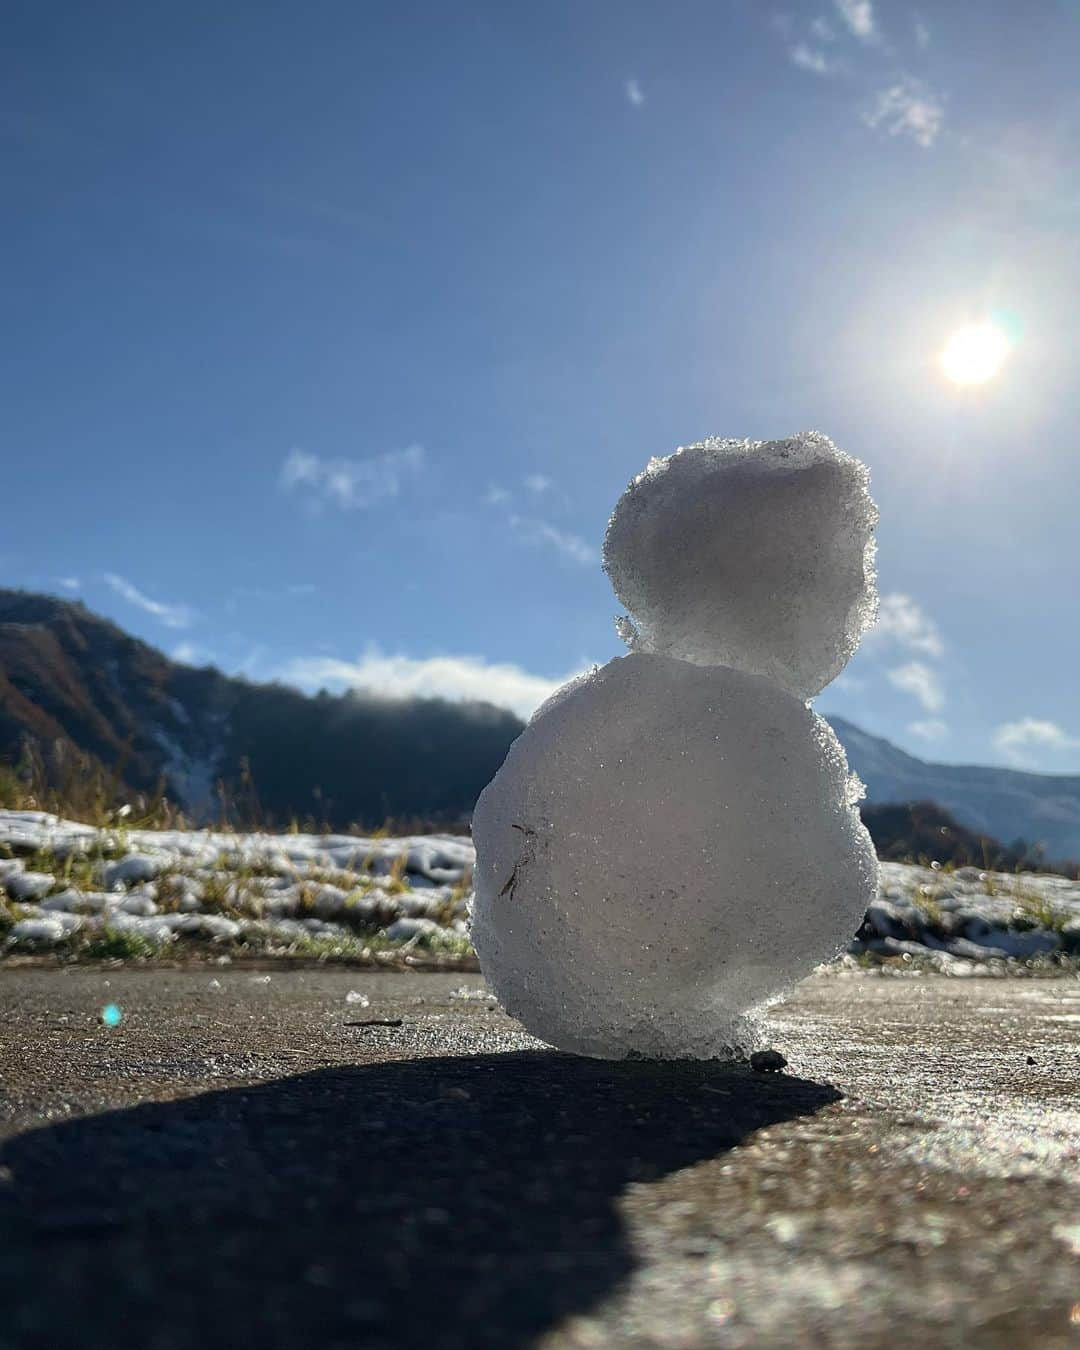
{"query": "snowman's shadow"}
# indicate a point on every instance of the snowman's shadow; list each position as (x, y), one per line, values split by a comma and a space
(429, 1202)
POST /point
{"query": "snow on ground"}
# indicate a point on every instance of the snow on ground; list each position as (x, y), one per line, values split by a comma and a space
(117, 892)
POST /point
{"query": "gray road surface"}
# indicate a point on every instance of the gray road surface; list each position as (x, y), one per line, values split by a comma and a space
(235, 1165)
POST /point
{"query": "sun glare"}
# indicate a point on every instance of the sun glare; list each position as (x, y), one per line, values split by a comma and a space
(974, 353)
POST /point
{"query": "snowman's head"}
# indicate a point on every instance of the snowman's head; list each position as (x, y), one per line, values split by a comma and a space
(758, 555)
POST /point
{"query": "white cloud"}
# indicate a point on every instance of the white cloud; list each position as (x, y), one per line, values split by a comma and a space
(634, 95)
(188, 654)
(542, 532)
(907, 108)
(921, 682)
(496, 496)
(537, 483)
(901, 620)
(69, 583)
(350, 484)
(450, 677)
(929, 729)
(922, 33)
(859, 17)
(172, 616)
(822, 29)
(1028, 739)
(809, 58)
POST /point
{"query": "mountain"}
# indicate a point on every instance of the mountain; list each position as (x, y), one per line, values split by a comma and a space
(924, 831)
(93, 700)
(1007, 804)
(93, 703)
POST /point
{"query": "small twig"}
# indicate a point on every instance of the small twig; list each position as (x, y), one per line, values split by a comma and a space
(376, 1022)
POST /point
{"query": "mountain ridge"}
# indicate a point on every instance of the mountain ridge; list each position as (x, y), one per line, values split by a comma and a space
(76, 687)
(1009, 804)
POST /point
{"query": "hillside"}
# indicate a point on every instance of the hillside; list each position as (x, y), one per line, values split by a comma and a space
(1042, 809)
(90, 698)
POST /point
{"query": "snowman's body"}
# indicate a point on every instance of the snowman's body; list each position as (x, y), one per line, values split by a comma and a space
(668, 845)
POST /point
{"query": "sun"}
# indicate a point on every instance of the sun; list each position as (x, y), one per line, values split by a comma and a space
(975, 353)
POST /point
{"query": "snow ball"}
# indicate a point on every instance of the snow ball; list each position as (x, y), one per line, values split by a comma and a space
(751, 554)
(666, 847)
(354, 996)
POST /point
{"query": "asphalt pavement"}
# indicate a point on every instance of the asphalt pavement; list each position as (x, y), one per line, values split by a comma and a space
(330, 1158)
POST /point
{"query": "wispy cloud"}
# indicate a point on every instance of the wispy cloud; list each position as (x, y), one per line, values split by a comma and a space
(907, 108)
(571, 546)
(72, 584)
(858, 15)
(810, 58)
(1028, 740)
(534, 531)
(929, 729)
(889, 102)
(172, 616)
(902, 621)
(903, 628)
(922, 682)
(351, 484)
(450, 677)
(634, 95)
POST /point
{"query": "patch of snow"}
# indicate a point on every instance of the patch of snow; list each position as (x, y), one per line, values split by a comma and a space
(191, 775)
(27, 885)
(136, 867)
(411, 930)
(38, 932)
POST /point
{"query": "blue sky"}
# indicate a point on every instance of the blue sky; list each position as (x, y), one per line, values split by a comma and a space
(333, 331)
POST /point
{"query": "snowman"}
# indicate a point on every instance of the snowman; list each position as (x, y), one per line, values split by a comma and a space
(674, 839)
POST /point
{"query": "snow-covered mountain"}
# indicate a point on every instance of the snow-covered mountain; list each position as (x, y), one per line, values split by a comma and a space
(1042, 809)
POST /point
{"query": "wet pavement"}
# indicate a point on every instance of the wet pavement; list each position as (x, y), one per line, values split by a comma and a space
(255, 1158)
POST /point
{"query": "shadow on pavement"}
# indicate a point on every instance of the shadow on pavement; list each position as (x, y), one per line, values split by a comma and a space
(432, 1202)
